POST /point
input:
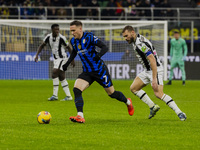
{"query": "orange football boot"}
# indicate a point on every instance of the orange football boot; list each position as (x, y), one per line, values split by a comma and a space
(78, 119)
(130, 108)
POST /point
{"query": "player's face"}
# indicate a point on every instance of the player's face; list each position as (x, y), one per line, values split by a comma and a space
(129, 36)
(176, 36)
(76, 31)
(55, 31)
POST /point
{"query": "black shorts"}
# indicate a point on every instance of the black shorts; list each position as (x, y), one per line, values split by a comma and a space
(102, 77)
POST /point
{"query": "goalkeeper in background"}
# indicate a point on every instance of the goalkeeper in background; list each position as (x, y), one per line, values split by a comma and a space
(178, 53)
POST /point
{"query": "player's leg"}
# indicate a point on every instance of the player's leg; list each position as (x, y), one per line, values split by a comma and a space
(182, 67)
(166, 98)
(65, 86)
(120, 97)
(55, 76)
(116, 94)
(173, 65)
(136, 88)
(55, 79)
(104, 79)
(82, 83)
(170, 102)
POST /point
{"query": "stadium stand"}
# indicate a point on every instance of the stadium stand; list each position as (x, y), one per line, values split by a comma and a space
(181, 15)
(97, 9)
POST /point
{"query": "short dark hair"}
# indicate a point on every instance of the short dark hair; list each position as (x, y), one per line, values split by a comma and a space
(176, 32)
(54, 25)
(129, 28)
(76, 23)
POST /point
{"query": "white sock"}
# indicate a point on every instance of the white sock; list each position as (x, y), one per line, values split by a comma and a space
(65, 86)
(80, 114)
(145, 98)
(55, 86)
(169, 101)
(128, 102)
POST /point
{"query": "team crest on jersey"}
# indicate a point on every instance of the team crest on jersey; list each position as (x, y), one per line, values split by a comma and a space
(83, 41)
(79, 46)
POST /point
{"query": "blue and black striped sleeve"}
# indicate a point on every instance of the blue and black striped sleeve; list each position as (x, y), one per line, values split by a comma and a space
(97, 42)
(103, 47)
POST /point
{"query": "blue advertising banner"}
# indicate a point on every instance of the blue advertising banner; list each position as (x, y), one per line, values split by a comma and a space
(24, 70)
(29, 56)
(21, 65)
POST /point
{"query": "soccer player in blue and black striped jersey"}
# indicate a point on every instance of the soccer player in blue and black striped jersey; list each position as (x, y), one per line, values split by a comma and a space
(94, 69)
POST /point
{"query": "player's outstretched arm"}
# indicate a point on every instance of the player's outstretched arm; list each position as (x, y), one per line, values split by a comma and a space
(103, 50)
(39, 50)
(71, 58)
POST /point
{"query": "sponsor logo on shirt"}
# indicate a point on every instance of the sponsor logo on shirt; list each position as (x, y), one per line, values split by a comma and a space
(83, 51)
(144, 48)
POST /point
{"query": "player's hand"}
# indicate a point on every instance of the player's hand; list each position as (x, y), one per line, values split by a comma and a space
(64, 67)
(154, 85)
(36, 58)
(96, 58)
(184, 58)
(73, 63)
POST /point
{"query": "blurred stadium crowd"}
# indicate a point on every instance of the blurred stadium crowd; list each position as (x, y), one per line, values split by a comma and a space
(31, 8)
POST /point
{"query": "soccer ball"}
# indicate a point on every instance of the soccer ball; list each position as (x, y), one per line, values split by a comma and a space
(44, 117)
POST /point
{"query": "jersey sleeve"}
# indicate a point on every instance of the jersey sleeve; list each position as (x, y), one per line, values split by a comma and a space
(94, 39)
(185, 48)
(72, 44)
(46, 39)
(145, 49)
(65, 41)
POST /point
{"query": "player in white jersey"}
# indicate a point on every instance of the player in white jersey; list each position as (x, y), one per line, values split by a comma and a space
(153, 73)
(58, 44)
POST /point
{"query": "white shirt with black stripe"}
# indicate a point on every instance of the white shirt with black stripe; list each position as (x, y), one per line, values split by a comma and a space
(57, 45)
(143, 48)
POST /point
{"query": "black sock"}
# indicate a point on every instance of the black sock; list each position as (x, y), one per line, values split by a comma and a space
(78, 99)
(119, 96)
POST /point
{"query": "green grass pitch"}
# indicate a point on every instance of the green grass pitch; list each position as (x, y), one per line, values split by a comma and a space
(107, 126)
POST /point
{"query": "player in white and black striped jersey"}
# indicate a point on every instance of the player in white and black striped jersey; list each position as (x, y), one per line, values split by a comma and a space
(153, 73)
(58, 44)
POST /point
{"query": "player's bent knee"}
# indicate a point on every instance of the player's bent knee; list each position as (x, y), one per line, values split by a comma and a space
(77, 91)
(54, 75)
(133, 90)
(61, 77)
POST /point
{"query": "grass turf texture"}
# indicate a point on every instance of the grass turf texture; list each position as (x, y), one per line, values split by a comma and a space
(108, 125)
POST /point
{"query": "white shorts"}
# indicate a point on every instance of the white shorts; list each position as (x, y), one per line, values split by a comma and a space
(58, 63)
(146, 76)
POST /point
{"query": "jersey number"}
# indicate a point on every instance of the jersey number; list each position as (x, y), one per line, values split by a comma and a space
(106, 79)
